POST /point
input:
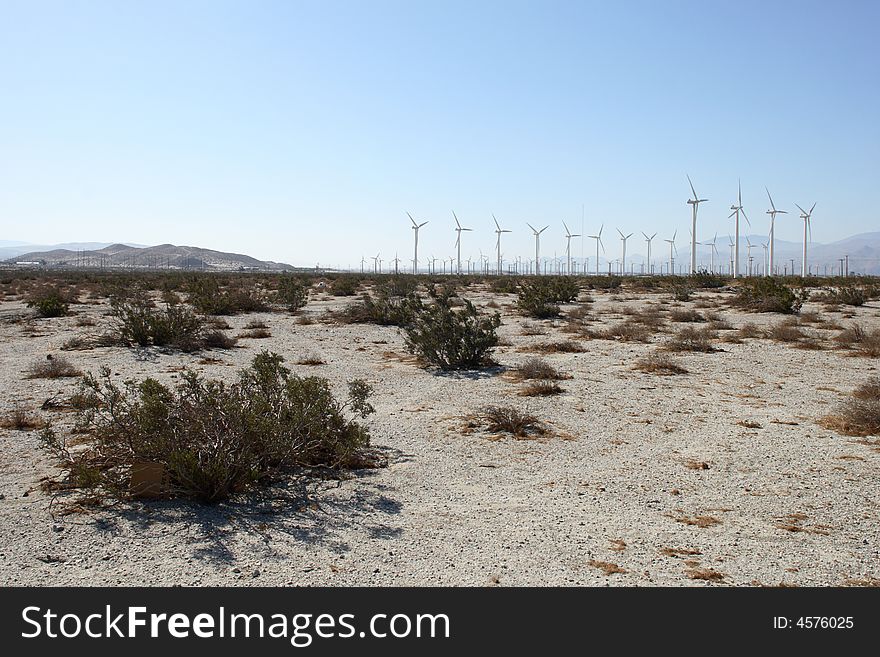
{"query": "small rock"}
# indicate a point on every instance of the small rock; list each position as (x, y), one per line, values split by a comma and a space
(57, 528)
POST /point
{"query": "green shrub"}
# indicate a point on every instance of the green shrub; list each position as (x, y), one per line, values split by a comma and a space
(769, 295)
(452, 338)
(681, 291)
(49, 302)
(703, 279)
(292, 294)
(208, 297)
(213, 440)
(344, 286)
(504, 284)
(537, 299)
(850, 295)
(383, 310)
(139, 324)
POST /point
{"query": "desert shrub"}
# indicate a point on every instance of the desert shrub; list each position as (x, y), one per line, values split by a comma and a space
(537, 368)
(382, 310)
(208, 297)
(256, 333)
(850, 295)
(692, 339)
(604, 282)
(658, 363)
(559, 347)
(21, 419)
(76, 343)
(864, 342)
(218, 340)
(532, 329)
(508, 419)
(768, 295)
(628, 330)
(686, 316)
(400, 286)
(541, 388)
(176, 327)
(703, 279)
(859, 415)
(504, 284)
(681, 291)
(785, 332)
(749, 330)
(536, 300)
(213, 440)
(344, 286)
(256, 324)
(52, 367)
(49, 302)
(292, 293)
(452, 338)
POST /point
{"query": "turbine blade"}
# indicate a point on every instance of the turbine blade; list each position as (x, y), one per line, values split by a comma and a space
(812, 208)
(532, 227)
(692, 188)
(456, 219)
(411, 219)
(800, 208)
(496, 222)
(746, 217)
(771, 199)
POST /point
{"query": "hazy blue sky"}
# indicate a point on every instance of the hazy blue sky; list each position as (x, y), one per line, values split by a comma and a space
(302, 131)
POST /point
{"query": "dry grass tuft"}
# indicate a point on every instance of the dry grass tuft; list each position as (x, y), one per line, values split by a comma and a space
(541, 388)
(53, 367)
(861, 341)
(686, 316)
(859, 415)
(629, 330)
(675, 553)
(21, 419)
(257, 333)
(698, 521)
(706, 574)
(537, 368)
(692, 339)
(507, 419)
(558, 347)
(693, 464)
(785, 332)
(661, 364)
(607, 567)
(530, 328)
(312, 360)
(749, 424)
(618, 545)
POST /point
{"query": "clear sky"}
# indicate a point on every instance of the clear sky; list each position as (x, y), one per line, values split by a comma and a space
(303, 131)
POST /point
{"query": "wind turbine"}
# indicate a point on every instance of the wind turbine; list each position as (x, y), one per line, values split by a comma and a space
(695, 203)
(498, 231)
(598, 239)
(672, 248)
(648, 240)
(764, 246)
(749, 253)
(458, 230)
(806, 216)
(772, 212)
(623, 238)
(395, 261)
(730, 239)
(736, 210)
(415, 227)
(537, 246)
(375, 263)
(713, 253)
(568, 237)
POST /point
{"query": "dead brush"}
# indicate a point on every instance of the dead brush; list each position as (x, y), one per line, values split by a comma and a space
(749, 330)
(688, 315)
(530, 328)
(785, 332)
(311, 360)
(607, 567)
(53, 367)
(859, 415)
(558, 347)
(257, 333)
(628, 330)
(21, 419)
(705, 574)
(692, 339)
(510, 420)
(658, 363)
(859, 340)
(537, 368)
(541, 388)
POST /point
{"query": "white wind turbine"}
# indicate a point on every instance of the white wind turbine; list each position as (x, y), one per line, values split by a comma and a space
(458, 230)
(764, 246)
(623, 239)
(713, 253)
(598, 238)
(375, 263)
(807, 217)
(672, 250)
(749, 253)
(772, 212)
(537, 246)
(498, 231)
(695, 203)
(736, 210)
(648, 240)
(568, 237)
(415, 227)
(730, 239)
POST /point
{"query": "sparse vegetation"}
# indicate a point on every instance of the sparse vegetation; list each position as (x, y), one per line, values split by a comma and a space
(859, 415)
(292, 294)
(658, 363)
(52, 367)
(541, 388)
(139, 324)
(768, 295)
(21, 419)
(692, 339)
(508, 419)
(49, 302)
(211, 440)
(452, 338)
(537, 368)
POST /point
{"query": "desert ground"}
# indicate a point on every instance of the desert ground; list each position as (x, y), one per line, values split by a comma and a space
(718, 476)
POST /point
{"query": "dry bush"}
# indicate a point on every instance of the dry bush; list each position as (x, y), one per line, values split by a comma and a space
(607, 567)
(530, 328)
(21, 419)
(311, 360)
(706, 574)
(53, 367)
(218, 323)
(860, 340)
(558, 347)
(749, 330)
(77, 343)
(218, 340)
(810, 317)
(508, 419)
(686, 316)
(537, 368)
(541, 388)
(692, 339)
(628, 330)
(675, 553)
(257, 334)
(304, 320)
(256, 324)
(859, 415)
(785, 332)
(85, 320)
(699, 521)
(658, 363)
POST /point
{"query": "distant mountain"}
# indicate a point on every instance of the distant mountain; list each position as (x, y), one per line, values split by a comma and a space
(11, 249)
(164, 256)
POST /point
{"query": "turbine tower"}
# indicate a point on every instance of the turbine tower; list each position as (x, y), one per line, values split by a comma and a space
(458, 230)
(772, 212)
(623, 238)
(498, 231)
(415, 227)
(598, 239)
(648, 240)
(713, 253)
(695, 203)
(806, 216)
(537, 246)
(672, 248)
(568, 237)
(736, 210)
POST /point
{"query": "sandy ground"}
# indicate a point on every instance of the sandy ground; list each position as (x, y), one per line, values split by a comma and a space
(794, 503)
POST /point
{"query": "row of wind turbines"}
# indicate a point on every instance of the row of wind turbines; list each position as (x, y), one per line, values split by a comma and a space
(737, 209)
